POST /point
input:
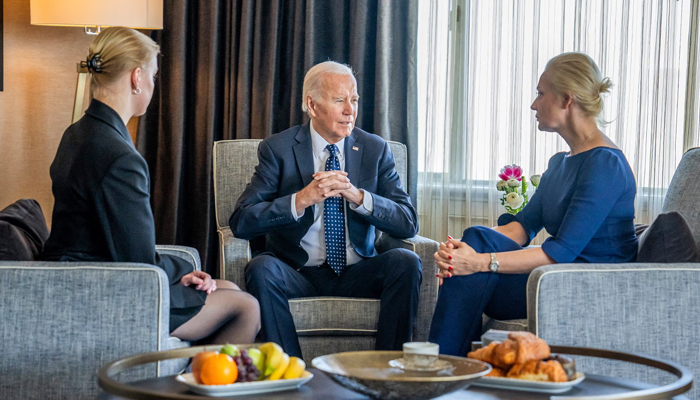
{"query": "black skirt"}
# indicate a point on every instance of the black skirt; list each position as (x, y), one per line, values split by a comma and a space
(180, 315)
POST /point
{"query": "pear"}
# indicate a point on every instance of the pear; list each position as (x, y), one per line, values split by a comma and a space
(258, 360)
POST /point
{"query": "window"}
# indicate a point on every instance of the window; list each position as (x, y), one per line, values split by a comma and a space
(478, 66)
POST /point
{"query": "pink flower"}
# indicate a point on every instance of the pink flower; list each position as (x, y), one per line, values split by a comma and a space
(511, 172)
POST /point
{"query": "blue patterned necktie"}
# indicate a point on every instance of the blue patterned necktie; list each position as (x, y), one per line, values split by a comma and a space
(334, 220)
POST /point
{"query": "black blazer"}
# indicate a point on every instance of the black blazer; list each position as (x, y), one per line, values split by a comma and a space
(102, 209)
(286, 166)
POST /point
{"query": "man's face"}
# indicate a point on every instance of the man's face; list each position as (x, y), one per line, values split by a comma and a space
(334, 114)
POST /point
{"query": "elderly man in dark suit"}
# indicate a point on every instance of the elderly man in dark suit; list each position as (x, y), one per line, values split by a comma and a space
(316, 196)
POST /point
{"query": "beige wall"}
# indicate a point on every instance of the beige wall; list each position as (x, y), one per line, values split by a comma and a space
(37, 102)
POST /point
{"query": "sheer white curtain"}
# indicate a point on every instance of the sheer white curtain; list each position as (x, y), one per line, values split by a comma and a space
(479, 63)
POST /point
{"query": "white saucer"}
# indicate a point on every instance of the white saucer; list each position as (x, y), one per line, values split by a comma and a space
(438, 365)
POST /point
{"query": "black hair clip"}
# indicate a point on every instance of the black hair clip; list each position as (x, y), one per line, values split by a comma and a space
(93, 64)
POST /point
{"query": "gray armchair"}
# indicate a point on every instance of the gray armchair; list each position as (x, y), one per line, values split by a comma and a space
(650, 309)
(324, 324)
(62, 321)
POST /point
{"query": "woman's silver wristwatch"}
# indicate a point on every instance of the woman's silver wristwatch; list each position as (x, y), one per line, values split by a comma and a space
(494, 263)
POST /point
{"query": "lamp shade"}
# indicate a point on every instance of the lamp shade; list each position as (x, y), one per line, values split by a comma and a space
(138, 14)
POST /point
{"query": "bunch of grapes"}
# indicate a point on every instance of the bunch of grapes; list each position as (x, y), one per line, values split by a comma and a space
(247, 372)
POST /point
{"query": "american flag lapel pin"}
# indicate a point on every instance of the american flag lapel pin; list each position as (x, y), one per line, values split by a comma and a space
(355, 148)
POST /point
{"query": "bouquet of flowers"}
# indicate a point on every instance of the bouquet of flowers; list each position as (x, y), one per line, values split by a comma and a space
(514, 188)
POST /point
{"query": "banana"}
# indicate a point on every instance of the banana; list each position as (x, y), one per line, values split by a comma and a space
(276, 360)
(295, 369)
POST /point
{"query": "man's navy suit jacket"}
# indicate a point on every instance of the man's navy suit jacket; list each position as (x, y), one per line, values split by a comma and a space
(286, 166)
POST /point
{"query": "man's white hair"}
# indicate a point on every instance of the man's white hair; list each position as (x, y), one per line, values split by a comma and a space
(314, 79)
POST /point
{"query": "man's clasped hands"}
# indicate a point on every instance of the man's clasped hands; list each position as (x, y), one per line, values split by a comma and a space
(328, 184)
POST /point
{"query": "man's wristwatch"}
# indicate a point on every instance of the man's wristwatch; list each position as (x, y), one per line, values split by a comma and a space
(494, 263)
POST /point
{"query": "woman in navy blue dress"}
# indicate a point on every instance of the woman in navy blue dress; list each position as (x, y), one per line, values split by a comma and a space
(585, 201)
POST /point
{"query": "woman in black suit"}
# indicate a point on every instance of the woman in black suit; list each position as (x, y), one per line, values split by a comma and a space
(101, 184)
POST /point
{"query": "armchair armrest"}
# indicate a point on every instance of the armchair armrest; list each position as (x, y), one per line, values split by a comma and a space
(82, 313)
(643, 308)
(425, 248)
(235, 255)
(189, 254)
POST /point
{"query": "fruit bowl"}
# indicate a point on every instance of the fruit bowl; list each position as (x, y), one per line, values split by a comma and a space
(369, 373)
(244, 388)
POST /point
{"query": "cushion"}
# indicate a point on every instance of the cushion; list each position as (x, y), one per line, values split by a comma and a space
(343, 316)
(505, 325)
(23, 231)
(640, 228)
(667, 240)
(14, 246)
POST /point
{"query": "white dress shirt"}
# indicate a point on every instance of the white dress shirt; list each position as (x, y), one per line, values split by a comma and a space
(314, 242)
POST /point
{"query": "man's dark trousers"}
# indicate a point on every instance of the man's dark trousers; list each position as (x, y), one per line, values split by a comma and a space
(394, 277)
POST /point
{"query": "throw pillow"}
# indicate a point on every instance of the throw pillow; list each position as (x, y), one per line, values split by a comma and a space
(23, 231)
(640, 228)
(14, 246)
(668, 240)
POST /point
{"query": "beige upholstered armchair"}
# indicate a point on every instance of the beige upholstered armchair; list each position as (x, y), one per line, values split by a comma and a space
(324, 324)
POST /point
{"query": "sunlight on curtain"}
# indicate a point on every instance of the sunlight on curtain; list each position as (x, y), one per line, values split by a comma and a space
(479, 63)
(692, 117)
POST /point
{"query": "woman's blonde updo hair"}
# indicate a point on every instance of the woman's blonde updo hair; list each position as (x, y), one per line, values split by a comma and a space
(578, 74)
(117, 50)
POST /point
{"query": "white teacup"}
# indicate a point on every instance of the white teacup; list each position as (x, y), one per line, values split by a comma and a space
(420, 354)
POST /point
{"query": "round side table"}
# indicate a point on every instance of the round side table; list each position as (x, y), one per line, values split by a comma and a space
(321, 387)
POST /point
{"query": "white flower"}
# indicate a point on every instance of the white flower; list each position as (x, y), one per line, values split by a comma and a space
(514, 200)
(501, 185)
(513, 182)
(535, 179)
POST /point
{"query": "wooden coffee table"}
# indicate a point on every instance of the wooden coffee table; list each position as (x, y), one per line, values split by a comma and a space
(321, 387)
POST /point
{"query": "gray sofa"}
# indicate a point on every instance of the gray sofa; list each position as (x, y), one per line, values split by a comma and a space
(324, 324)
(61, 321)
(650, 309)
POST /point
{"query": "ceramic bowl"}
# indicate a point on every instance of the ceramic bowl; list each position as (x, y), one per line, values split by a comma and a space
(369, 373)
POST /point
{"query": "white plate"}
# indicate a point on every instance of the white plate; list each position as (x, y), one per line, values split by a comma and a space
(241, 388)
(528, 386)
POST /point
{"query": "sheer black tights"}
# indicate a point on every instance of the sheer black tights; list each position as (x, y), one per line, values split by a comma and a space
(229, 315)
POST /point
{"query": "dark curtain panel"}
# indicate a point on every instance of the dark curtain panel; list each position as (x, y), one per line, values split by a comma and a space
(234, 69)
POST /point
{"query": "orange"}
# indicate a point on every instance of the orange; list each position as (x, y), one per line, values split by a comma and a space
(197, 363)
(218, 369)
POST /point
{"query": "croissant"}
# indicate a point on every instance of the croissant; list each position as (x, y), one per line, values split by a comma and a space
(520, 348)
(535, 370)
(484, 354)
(568, 364)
